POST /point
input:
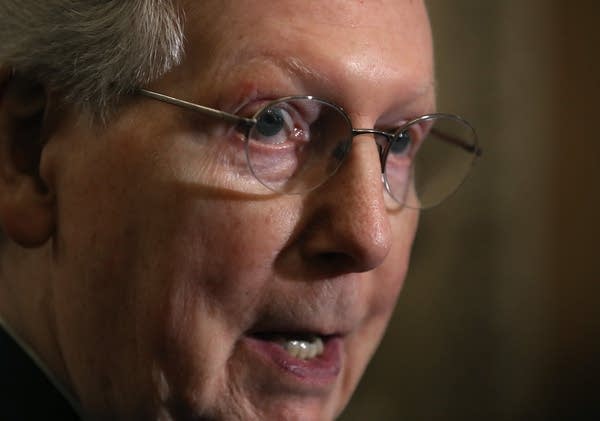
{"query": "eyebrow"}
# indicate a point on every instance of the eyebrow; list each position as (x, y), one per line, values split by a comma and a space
(296, 67)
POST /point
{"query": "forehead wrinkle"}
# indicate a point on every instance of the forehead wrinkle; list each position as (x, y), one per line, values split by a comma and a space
(415, 98)
(343, 75)
(312, 80)
(295, 66)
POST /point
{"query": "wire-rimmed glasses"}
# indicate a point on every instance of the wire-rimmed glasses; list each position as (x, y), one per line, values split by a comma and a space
(294, 144)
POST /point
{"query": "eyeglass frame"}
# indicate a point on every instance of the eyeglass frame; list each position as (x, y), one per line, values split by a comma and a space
(249, 123)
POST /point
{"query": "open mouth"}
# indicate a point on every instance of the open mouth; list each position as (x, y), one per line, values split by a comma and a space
(300, 345)
(309, 357)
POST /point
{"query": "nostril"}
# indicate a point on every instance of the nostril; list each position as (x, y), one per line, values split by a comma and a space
(345, 247)
(333, 259)
(348, 226)
(334, 264)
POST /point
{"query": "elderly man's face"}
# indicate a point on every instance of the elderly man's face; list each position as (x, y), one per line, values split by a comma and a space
(175, 289)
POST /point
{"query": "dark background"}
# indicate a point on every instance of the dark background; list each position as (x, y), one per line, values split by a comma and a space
(500, 316)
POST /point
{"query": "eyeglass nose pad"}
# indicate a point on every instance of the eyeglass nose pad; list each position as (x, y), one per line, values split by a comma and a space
(382, 143)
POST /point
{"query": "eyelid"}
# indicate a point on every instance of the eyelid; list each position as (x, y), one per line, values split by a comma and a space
(306, 113)
(398, 117)
(398, 124)
(252, 106)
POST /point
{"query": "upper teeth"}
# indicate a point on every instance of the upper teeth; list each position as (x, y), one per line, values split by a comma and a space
(303, 349)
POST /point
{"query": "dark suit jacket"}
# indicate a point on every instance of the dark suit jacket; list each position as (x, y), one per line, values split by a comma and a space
(25, 391)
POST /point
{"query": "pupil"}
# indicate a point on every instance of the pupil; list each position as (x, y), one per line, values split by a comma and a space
(400, 143)
(270, 123)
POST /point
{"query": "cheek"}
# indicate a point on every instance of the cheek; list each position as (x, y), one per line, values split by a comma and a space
(380, 292)
(227, 247)
(217, 268)
(163, 277)
(390, 276)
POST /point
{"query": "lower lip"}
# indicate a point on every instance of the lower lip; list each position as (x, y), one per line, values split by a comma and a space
(321, 371)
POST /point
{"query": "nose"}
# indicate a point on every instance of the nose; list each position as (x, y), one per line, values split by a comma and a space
(349, 227)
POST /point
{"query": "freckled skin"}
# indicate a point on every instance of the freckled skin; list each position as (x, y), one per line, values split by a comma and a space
(161, 262)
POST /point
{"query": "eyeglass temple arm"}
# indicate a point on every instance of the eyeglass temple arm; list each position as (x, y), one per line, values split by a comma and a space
(248, 121)
(199, 108)
(474, 149)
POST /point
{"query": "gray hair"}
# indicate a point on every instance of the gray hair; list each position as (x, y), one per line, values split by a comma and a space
(92, 51)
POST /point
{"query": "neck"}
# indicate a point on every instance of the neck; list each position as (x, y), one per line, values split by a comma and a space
(25, 311)
(42, 367)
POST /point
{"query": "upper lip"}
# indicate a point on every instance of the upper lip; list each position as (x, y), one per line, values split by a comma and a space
(311, 324)
(324, 308)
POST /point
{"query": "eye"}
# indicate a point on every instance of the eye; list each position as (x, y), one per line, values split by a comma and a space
(274, 125)
(401, 143)
(410, 139)
(270, 122)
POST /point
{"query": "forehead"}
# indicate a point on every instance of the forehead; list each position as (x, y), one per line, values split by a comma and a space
(343, 43)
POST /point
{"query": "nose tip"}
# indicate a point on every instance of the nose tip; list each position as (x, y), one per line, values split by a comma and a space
(348, 245)
(368, 242)
(350, 226)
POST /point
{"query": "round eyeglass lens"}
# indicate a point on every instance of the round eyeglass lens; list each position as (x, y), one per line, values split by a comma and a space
(429, 159)
(297, 143)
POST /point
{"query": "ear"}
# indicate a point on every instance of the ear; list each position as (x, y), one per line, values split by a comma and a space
(26, 204)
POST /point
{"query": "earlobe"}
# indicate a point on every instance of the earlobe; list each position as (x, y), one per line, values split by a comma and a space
(25, 215)
(26, 204)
